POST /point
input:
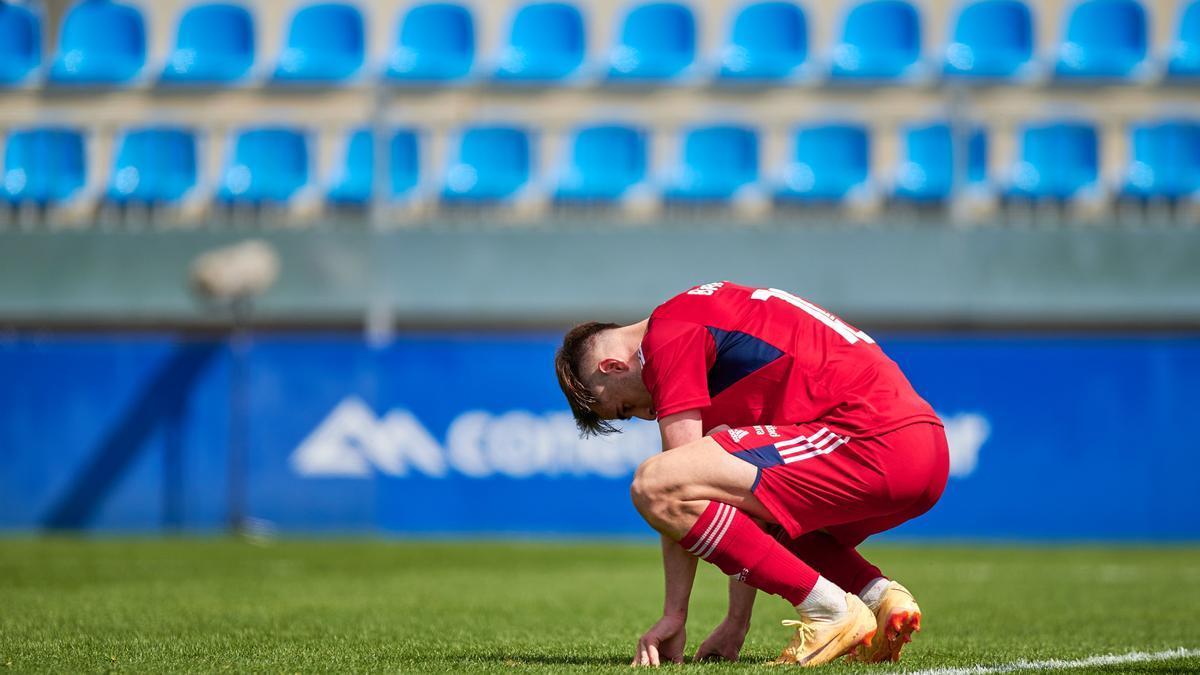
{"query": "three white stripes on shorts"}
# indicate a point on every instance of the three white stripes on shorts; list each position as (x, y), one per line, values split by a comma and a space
(805, 447)
(821, 443)
(707, 543)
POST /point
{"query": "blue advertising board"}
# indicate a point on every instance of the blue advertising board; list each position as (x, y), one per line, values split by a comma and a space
(466, 433)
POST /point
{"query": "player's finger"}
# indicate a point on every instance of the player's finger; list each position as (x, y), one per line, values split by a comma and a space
(653, 650)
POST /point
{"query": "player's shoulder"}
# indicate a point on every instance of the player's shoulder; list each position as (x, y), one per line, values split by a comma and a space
(701, 300)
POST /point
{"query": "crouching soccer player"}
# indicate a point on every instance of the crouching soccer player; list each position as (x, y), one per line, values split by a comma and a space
(812, 430)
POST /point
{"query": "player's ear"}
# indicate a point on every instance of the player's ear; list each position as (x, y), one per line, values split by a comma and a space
(608, 366)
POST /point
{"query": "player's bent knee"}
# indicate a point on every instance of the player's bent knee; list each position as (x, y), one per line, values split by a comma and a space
(652, 490)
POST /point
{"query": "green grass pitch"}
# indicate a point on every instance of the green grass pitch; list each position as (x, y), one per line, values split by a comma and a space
(155, 605)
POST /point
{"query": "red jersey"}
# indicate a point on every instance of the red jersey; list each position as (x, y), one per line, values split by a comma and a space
(753, 356)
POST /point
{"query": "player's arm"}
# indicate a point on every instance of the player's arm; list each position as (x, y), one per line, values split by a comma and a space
(680, 566)
(665, 640)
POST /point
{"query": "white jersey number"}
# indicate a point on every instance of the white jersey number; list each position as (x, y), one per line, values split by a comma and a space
(852, 336)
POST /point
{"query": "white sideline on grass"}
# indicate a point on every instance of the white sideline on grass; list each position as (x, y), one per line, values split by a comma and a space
(1060, 664)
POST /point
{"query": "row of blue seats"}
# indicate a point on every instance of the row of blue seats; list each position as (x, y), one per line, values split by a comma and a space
(104, 42)
(605, 163)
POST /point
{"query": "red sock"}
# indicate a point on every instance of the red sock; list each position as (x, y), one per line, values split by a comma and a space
(728, 539)
(836, 562)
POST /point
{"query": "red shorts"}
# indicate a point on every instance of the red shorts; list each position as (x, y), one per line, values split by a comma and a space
(811, 478)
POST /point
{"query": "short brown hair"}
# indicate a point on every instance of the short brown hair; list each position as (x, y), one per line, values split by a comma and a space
(568, 364)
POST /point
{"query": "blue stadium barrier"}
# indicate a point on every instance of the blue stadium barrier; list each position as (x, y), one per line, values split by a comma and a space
(547, 43)
(214, 44)
(830, 162)
(768, 41)
(993, 39)
(130, 433)
(930, 170)
(604, 162)
(325, 44)
(45, 165)
(355, 183)
(716, 163)
(101, 43)
(265, 165)
(1105, 39)
(1183, 60)
(154, 165)
(492, 164)
(657, 43)
(1058, 160)
(435, 43)
(881, 40)
(1166, 160)
(20, 43)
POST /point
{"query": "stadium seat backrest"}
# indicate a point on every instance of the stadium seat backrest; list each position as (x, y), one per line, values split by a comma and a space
(1184, 56)
(992, 38)
(43, 165)
(20, 43)
(215, 43)
(768, 40)
(154, 165)
(1104, 39)
(604, 162)
(881, 39)
(101, 42)
(1058, 160)
(493, 163)
(356, 180)
(435, 42)
(931, 166)
(1166, 159)
(717, 162)
(547, 42)
(267, 164)
(657, 42)
(325, 42)
(830, 161)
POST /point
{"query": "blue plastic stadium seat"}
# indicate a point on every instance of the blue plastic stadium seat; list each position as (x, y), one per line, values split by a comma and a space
(1166, 160)
(101, 42)
(43, 166)
(20, 43)
(493, 163)
(992, 39)
(717, 162)
(325, 43)
(214, 44)
(355, 184)
(929, 173)
(769, 41)
(154, 165)
(1058, 161)
(548, 42)
(436, 43)
(657, 43)
(831, 160)
(604, 162)
(266, 164)
(1105, 39)
(1184, 57)
(881, 40)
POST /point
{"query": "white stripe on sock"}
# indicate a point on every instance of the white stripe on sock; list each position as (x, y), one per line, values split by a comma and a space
(712, 524)
(719, 534)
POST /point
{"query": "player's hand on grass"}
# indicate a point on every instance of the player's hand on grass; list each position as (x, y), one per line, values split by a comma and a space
(663, 643)
(724, 643)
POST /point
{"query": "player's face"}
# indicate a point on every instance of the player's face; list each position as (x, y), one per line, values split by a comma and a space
(623, 395)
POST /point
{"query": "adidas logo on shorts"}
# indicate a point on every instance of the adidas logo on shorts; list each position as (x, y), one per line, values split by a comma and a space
(738, 434)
